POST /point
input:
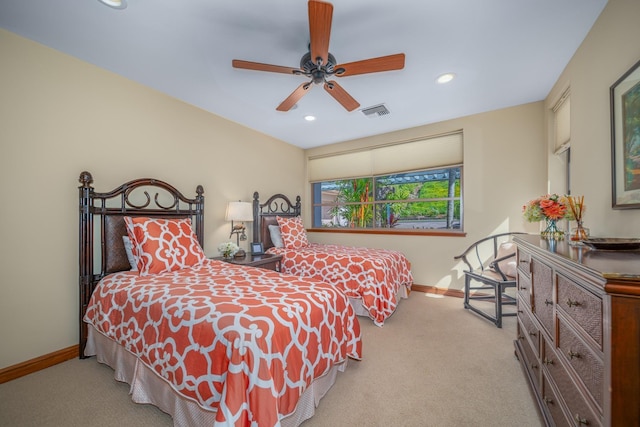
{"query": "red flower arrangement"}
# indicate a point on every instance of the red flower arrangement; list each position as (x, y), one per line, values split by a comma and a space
(552, 209)
(549, 207)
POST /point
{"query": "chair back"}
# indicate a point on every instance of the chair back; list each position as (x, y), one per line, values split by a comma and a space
(484, 252)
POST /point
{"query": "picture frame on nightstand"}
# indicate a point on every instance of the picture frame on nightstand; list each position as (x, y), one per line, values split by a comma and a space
(257, 248)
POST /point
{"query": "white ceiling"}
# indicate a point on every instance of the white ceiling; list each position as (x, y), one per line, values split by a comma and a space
(504, 52)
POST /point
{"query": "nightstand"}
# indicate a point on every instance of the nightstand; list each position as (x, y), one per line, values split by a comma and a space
(266, 261)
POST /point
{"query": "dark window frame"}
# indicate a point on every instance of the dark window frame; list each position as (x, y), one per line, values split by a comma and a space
(449, 230)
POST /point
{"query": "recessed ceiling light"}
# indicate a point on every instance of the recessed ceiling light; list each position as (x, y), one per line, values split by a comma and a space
(445, 78)
(309, 118)
(116, 4)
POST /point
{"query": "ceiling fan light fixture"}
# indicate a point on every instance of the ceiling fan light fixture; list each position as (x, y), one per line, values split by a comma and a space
(116, 4)
(445, 78)
(318, 64)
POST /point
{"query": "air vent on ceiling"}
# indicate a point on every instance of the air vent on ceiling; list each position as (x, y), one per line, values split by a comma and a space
(376, 110)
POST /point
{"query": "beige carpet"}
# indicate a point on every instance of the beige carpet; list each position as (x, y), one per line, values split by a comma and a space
(432, 364)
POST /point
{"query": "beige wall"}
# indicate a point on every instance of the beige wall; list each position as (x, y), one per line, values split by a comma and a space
(60, 116)
(504, 166)
(610, 49)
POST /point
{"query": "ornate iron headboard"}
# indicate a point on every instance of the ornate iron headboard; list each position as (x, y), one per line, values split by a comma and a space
(106, 211)
(265, 214)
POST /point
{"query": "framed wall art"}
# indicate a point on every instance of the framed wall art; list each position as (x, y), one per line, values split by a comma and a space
(625, 140)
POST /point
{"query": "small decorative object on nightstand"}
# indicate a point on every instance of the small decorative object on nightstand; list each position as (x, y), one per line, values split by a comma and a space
(257, 248)
(228, 249)
(242, 212)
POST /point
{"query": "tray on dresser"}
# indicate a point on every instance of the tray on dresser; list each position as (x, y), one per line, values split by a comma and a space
(613, 244)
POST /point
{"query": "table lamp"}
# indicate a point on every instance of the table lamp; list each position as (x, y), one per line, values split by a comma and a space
(239, 212)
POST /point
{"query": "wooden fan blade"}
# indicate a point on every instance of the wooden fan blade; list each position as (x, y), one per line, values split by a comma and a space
(257, 66)
(320, 14)
(373, 65)
(341, 95)
(294, 97)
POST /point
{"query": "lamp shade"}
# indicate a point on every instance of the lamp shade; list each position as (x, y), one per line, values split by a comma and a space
(239, 211)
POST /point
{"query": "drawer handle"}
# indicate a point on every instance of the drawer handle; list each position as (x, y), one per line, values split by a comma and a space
(534, 366)
(572, 303)
(573, 355)
(548, 400)
(534, 333)
(547, 302)
(579, 420)
(548, 361)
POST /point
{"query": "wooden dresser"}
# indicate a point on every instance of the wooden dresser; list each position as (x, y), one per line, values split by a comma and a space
(578, 338)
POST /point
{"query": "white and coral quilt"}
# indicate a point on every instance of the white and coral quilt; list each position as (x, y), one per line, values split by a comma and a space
(243, 341)
(372, 275)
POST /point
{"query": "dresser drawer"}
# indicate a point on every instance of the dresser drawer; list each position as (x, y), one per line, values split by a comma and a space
(552, 402)
(524, 261)
(532, 362)
(582, 413)
(582, 306)
(542, 281)
(524, 288)
(588, 366)
(528, 328)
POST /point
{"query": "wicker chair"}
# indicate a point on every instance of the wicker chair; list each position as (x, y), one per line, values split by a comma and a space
(488, 280)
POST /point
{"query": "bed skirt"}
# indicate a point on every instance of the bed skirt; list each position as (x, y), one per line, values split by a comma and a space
(149, 388)
(356, 303)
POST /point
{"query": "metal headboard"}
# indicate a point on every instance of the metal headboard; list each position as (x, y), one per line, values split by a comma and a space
(264, 214)
(106, 211)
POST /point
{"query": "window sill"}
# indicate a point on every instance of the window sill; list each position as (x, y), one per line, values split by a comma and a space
(415, 232)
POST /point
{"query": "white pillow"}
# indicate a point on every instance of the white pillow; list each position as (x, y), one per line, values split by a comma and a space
(509, 265)
(276, 237)
(128, 247)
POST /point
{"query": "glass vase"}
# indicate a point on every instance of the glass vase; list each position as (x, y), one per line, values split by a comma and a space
(578, 234)
(552, 231)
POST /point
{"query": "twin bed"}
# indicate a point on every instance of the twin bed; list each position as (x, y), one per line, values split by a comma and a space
(208, 342)
(373, 279)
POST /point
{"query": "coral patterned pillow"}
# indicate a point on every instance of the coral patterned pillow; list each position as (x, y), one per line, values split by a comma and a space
(294, 235)
(161, 245)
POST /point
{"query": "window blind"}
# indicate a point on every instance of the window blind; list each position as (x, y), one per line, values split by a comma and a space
(348, 165)
(426, 153)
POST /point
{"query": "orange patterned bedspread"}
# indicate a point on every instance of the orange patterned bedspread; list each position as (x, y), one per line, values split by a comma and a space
(243, 341)
(372, 275)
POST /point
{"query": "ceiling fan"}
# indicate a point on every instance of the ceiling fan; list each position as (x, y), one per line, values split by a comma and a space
(320, 65)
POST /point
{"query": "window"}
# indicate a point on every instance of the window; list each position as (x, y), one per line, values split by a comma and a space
(561, 116)
(414, 185)
(562, 122)
(420, 200)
